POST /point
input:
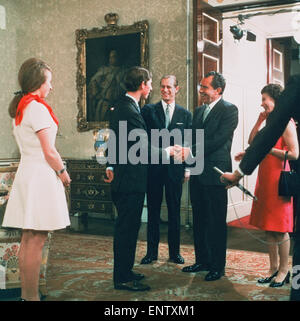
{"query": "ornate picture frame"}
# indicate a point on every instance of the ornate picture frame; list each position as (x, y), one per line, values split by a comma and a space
(102, 58)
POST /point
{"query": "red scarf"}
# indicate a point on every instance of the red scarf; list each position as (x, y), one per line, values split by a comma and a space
(25, 100)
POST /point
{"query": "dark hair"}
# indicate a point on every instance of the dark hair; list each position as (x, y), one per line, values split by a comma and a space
(31, 77)
(273, 90)
(135, 76)
(218, 80)
(168, 77)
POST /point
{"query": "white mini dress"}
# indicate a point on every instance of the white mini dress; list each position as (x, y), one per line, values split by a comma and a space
(37, 200)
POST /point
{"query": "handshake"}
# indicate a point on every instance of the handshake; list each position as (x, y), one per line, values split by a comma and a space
(179, 153)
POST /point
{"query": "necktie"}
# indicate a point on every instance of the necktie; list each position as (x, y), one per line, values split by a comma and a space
(206, 112)
(167, 116)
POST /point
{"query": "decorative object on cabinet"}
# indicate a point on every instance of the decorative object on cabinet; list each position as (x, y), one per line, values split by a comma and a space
(103, 55)
(89, 194)
(10, 239)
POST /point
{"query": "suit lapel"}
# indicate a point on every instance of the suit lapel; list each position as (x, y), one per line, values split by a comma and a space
(199, 117)
(175, 118)
(213, 112)
(133, 106)
(160, 114)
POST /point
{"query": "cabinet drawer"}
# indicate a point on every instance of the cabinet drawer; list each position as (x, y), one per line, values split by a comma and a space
(93, 192)
(91, 206)
(96, 177)
(79, 165)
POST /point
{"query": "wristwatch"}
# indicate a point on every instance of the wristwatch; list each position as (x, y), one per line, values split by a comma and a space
(60, 171)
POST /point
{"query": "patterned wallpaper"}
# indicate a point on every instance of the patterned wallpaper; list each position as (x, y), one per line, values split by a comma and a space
(46, 29)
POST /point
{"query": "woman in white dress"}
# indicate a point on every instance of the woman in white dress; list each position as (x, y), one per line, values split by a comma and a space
(37, 202)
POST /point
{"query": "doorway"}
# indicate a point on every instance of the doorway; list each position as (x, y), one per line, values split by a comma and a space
(266, 52)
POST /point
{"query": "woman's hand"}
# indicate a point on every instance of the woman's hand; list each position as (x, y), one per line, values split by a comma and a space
(262, 116)
(65, 178)
(239, 156)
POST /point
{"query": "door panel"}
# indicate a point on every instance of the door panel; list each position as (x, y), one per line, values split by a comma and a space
(207, 43)
(276, 62)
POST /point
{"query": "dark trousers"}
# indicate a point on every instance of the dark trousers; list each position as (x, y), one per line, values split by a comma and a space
(173, 192)
(129, 207)
(209, 205)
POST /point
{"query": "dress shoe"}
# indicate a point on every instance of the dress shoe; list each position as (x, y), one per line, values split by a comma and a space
(195, 268)
(214, 275)
(137, 276)
(267, 279)
(274, 284)
(178, 259)
(132, 286)
(148, 259)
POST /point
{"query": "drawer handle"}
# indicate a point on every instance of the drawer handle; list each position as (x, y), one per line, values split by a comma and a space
(91, 206)
(91, 177)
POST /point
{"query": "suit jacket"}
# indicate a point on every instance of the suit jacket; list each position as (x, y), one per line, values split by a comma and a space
(127, 177)
(154, 117)
(286, 107)
(218, 127)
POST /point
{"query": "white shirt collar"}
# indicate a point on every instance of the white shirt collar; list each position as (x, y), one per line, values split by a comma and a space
(171, 108)
(137, 103)
(164, 104)
(211, 105)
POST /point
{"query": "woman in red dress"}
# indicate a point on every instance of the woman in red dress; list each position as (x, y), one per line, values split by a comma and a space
(273, 213)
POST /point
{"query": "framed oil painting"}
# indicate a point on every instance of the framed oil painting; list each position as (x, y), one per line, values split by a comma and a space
(103, 57)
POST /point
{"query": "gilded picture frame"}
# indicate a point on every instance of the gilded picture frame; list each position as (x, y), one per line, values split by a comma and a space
(103, 56)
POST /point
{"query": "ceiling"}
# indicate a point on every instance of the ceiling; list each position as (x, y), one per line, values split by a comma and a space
(216, 3)
(274, 21)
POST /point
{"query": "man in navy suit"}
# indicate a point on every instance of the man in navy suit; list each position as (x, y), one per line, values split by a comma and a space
(165, 114)
(129, 179)
(219, 119)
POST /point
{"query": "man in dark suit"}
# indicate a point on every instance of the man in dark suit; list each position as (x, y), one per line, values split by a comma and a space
(129, 179)
(287, 107)
(219, 119)
(165, 114)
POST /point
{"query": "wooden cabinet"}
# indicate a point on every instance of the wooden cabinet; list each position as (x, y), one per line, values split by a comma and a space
(88, 191)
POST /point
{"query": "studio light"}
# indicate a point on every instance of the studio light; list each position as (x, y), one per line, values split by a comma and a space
(237, 32)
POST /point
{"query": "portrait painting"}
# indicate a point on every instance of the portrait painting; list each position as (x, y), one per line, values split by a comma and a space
(104, 55)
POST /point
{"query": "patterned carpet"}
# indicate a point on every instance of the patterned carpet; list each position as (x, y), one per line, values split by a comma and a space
(80, 269)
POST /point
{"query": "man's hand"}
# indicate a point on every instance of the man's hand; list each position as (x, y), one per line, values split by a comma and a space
(231, 179)
(110, 176)
(181, 153)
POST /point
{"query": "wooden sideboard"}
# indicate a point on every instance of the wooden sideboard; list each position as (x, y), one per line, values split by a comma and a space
(88, 191)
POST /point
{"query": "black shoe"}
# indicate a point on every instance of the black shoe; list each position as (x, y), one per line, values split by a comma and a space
(137, 276)
(214, 275)
(132, 286)
(274, 284)
(267, 279)
(148, 259)
(178, 259)
(195, 268)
